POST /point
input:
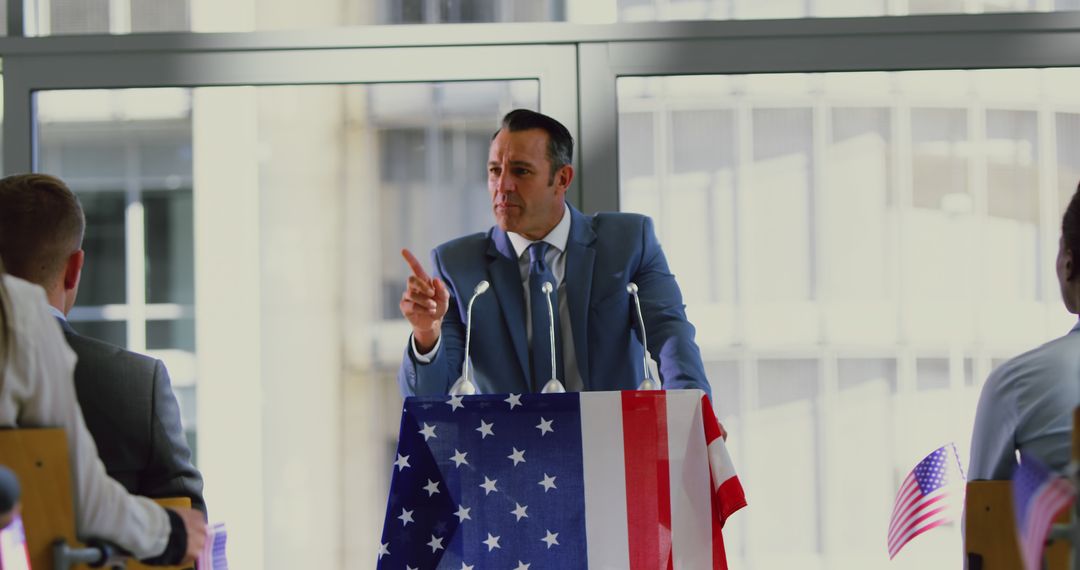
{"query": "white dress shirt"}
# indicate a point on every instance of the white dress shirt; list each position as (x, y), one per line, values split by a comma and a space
(556, 259)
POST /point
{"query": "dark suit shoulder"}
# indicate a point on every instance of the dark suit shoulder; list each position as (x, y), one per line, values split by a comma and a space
(468, 243)
(463, 250)
(100, 355)
(617, 229)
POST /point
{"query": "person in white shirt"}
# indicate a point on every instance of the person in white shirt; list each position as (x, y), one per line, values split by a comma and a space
(36, 390)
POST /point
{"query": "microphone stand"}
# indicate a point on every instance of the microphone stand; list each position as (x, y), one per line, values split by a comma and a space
(552, 386)
(649, 383)
(464, 385)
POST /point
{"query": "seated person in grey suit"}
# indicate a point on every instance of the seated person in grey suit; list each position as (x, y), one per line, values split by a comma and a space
(1027, 403)
(126, 398)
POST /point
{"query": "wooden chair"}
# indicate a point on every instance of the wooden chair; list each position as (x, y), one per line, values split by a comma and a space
(990, 530)
(39, 457)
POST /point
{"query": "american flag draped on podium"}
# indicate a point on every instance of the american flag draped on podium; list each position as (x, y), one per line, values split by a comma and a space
(577, 480)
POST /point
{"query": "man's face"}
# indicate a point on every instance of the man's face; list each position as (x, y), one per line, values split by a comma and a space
(525, 197)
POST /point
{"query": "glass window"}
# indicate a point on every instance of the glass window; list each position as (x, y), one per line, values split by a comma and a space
(1012, 201)
(649, 10)
(1067, 133)
(859, 189)
(66, 17)
(785, 424)
(931, 373)
(858, 211)
(334, 190)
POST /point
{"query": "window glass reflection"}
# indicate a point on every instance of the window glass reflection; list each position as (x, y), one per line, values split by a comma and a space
(103, 278)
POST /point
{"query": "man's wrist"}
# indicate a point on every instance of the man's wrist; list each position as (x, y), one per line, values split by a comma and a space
(176, 548)
(425, 340)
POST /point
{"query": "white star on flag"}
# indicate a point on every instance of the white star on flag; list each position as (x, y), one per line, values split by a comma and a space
(435, 543)
(519, 511)
(463, 513)
(548, 483)
(459, 458)
(485, 429)
(522, 566)
(384, 550)
(488, 485)
(407, 567)
(513, 400)
(544, 426)
(517, 456)
(428, 432)
(551, 538)
(455, 403)
(401, 462)
(492, 542)
(432, 487)
(405, 517)
(465, 566)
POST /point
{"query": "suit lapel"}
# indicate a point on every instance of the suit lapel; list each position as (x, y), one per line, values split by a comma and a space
(579, 276)
(506, 282)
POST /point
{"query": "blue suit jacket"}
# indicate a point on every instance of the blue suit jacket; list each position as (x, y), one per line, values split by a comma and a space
(604, 253)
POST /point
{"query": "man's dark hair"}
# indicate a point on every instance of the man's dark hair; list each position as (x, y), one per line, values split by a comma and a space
(560, 144)
(41, 224)
(1070, 229)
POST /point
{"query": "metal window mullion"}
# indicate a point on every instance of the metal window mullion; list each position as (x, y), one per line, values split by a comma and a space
(978, 178)
(135, 251)
(830, 390)
(1048, 200)
(744, 157)
(119, 16)
(820, 133)
(903, 167)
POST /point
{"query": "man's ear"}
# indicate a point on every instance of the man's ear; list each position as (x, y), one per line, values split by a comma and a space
(564, 177)
(73, 270)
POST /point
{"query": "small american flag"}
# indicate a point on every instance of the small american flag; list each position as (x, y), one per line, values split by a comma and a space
(925, 497)
(212, 556)
(630, 480)
(1039, 495)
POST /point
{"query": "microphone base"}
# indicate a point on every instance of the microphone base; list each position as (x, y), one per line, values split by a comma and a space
(649, 384)
(463, 387)
(553, 386)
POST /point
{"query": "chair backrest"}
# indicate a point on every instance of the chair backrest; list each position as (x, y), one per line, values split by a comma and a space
(990, 526)
(39, 458)
(990, 530)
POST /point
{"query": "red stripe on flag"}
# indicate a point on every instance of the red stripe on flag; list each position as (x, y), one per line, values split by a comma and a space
(917, 516)
(902, 537)
(712, 426)
(648, 479)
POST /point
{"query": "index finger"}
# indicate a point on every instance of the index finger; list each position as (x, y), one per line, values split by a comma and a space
(414, 264)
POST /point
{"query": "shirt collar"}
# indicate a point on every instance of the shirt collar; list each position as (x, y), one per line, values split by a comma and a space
(57, 313)
(557, 237)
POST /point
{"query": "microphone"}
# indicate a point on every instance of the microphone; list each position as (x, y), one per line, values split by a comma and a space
(649, 383)
(464, 385)
(552, 386)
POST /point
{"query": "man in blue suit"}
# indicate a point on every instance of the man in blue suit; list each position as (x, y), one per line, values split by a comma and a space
(538, 237)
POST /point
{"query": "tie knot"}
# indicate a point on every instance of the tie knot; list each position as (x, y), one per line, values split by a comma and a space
(536, 253)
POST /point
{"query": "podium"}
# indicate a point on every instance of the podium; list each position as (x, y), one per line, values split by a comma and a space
(637, 479)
